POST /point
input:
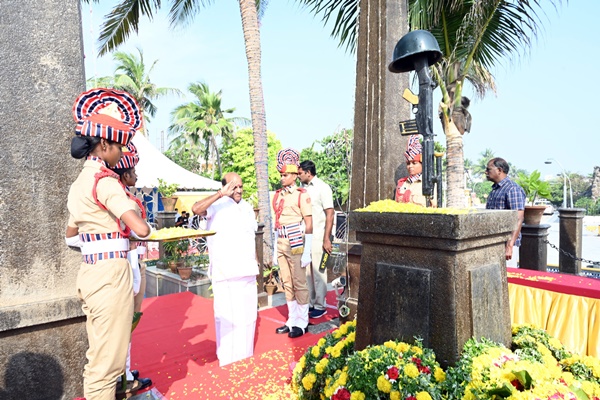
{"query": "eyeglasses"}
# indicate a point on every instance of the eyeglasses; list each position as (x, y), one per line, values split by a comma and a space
(488, 169)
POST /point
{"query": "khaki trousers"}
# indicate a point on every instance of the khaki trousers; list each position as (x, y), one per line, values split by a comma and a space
(293, 275)
(317, 281)
(106, 290)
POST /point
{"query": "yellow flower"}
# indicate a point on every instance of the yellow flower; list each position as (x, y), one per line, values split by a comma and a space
(394, 395)
(308, 381)
(315, 351)
(321, 365)
(358, 395)
(417, 350)
(383, 384)
(439, 374)
(423, 396)
(411, 370)
(390, 344)
(343, 379)
(402, 347)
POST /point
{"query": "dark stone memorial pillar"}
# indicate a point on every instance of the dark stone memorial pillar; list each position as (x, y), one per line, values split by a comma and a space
(42, 327)
(570, 239)
(440, 277)
(533, 253)
(378, 147)
(378, 152)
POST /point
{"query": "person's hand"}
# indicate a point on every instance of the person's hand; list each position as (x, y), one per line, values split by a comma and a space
(327, 246)
(508, 250)
(229, 188)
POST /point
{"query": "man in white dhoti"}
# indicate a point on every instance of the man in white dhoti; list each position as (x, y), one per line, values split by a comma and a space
(233, 268)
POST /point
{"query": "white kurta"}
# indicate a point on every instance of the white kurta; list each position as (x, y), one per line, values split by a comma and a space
(233, 270)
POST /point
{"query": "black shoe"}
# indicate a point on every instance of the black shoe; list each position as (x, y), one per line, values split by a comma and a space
(310, 308)
(144, 383)
(282, 329)
(317, 313)
(296, 332)
(135, 373)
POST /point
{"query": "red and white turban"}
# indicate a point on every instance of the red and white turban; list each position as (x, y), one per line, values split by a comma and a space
(414, 149)
(288, 161)
(107, 113)
(129, 159)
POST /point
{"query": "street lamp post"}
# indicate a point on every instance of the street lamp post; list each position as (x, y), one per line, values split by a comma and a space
(565, 178)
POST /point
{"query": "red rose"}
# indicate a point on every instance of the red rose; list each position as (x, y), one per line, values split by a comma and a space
(393, 373)
(341, 394)
(411, 398)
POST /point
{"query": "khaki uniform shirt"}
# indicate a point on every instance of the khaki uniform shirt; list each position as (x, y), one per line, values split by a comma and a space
(292, 214)
(321, 198)
(84, 213)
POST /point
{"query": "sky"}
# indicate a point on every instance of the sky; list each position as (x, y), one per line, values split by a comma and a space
(544, 107)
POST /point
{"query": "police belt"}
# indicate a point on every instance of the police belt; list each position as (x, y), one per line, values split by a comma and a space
(104, 246)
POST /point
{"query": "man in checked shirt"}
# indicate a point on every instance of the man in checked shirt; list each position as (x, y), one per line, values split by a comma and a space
(506, 195)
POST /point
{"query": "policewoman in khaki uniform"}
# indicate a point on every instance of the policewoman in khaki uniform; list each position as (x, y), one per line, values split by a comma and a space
(125, 168)
(101, 219)
(292, 206)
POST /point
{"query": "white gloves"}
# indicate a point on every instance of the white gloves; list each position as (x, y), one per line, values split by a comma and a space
(73, 241)
(136, 236)
(306, 255)
(132, 256)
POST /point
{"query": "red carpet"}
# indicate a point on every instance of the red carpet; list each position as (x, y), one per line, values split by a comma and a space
(174, 345)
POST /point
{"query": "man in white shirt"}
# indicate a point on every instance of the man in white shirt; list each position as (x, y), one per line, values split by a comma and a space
(232, 269)
(321, 198)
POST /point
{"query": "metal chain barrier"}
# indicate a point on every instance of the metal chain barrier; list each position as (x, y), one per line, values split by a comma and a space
(566, 253)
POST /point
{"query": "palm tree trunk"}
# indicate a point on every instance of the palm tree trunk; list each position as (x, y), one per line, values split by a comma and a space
(455, 170)
(259, 126)
(217, 156)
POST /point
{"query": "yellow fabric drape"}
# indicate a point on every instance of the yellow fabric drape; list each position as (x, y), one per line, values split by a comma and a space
(571, 319)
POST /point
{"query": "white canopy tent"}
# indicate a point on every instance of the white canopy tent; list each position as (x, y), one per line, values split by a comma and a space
(153, 165)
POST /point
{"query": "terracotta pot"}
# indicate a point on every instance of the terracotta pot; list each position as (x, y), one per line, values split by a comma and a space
(185, 272)
(270, 288)
(533, 215)
(169, 203)
(174, 265)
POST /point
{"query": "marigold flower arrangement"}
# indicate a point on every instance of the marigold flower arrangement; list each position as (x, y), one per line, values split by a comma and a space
(394, 370)
(488, 370)
(537, 366)
(322, 360)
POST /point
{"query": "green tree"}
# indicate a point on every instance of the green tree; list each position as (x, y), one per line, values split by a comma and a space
(188, 158)
(202, 121)
(124, 19)
(474, 36)
(238, 157)
(132, 76)
(333, 160)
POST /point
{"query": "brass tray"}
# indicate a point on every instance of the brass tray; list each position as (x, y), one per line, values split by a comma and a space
(178, 234)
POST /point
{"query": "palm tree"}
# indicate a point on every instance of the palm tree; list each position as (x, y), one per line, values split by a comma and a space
(131, 76)
(124, 19)
(474, 36)
(203, 120)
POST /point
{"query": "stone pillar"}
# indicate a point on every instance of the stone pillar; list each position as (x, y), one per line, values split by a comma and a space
(440, 277)
(263, 297)
(570, 239)
(533, 253)
(378, 148)
(42, 327)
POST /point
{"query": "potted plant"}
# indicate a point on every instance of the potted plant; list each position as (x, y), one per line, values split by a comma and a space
(534, 187)
(176, 253)
(167, 190)
(270, 280)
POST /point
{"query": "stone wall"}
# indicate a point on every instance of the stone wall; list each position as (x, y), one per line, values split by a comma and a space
(42, 332)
